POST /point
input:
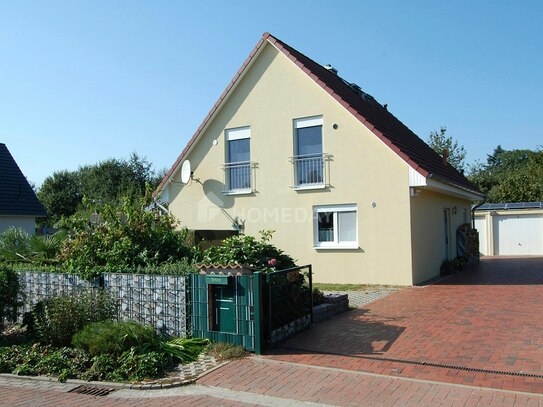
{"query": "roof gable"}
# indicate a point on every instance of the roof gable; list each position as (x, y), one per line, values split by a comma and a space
(398, 137)
(17, 198)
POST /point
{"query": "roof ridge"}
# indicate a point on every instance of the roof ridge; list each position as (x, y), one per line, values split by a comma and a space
(377, 118)
(446, 173)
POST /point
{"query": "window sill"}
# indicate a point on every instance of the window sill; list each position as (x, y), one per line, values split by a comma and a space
(338, 247)
(308, 187)
(238, 192)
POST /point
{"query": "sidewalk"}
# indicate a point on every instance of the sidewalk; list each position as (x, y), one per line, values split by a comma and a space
(258, 381)
(348, 388)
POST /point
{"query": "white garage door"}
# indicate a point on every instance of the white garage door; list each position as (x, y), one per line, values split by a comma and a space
(518, 234)
(480, 225)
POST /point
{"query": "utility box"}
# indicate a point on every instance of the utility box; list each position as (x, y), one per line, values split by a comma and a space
(222, 301)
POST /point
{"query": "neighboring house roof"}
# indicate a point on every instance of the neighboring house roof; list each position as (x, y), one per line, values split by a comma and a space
(364, 107)
(17, 197)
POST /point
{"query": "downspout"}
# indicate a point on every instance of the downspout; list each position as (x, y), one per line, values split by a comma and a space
(473, 212)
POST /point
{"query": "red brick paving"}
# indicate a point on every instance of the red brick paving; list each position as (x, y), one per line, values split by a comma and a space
(488, 317)
(347, 388)
(35, 397)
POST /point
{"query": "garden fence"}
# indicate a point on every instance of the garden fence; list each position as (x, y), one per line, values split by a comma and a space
(155, 300)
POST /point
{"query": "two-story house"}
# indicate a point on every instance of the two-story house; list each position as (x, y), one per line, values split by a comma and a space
(291, 146)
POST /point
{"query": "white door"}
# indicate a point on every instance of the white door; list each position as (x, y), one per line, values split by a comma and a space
(480, 225)
(518, 234)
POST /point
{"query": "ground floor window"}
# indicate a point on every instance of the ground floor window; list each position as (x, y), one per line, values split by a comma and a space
(335, 226)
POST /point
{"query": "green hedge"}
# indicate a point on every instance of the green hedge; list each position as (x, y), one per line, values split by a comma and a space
(9, 295)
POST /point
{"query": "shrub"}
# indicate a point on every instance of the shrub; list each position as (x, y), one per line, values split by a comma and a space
(13, 244)
(136, 367)
(249, 251)
(55, 320)
(43, 360)
(183, 350)
(318, 297)
(9, 295)
(18, 246)
(113, 338)
(124, 237)
(226, 351)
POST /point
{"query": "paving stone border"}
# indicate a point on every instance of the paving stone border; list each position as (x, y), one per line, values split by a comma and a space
(370, 294)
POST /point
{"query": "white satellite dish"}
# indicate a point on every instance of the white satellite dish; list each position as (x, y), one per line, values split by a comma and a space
(186, 173)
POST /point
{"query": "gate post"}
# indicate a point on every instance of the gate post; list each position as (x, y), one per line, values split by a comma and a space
(257, 286)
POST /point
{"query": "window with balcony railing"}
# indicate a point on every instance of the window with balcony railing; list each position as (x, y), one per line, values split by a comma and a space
(309, 163)
(238, 167)
(238, 177)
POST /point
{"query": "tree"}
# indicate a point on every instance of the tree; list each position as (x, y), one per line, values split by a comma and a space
(510, 175)
(106, 182)
(61, 195)
(123, 237)
(440, 141)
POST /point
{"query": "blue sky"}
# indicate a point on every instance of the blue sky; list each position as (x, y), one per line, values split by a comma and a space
(83, 81)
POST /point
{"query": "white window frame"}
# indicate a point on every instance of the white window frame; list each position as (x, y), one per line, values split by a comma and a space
(335, 209)
(301, 123)
(237, 133)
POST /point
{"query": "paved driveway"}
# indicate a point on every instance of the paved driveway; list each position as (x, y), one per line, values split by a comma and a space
(483, 327)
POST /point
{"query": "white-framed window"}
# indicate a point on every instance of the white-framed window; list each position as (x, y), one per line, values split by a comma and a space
(238, 160)
(308, 156)
(335, 226)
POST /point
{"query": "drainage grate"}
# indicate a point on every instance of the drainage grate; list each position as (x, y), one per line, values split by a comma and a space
(92, 391)
(421, 363)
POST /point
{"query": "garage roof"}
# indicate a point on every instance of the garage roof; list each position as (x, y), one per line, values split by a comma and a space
(510, 205)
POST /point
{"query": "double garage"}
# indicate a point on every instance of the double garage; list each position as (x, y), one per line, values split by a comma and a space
(510, 229)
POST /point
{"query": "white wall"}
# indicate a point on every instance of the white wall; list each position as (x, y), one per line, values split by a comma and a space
(27, 223)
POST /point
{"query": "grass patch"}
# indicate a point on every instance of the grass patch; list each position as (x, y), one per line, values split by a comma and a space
(226, 351)
(350, 287)
(341, 287)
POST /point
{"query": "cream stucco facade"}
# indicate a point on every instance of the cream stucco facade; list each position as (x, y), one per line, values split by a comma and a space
(400, 234)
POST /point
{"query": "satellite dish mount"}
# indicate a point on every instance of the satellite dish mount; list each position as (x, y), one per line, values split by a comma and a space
(187, 173)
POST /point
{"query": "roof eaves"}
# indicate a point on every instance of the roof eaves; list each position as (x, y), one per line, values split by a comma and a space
(224, 95)
(349, 108)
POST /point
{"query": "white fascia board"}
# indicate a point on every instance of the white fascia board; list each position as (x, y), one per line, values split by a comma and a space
(449, 189)
(416, 179)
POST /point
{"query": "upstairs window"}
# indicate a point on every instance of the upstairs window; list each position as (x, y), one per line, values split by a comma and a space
(308, 157)
(238, 160)
(335, 226)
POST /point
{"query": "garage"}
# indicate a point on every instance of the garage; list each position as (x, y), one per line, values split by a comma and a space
(510, 229)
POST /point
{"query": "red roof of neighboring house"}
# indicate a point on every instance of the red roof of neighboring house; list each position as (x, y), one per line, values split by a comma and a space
(365, 108)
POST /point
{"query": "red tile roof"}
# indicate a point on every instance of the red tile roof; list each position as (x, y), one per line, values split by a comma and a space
(365, 108)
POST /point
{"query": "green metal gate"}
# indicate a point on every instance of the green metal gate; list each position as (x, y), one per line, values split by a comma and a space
(254, 311)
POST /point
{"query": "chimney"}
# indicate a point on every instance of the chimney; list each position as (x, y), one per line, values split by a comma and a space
(445, 155)
(331, 68)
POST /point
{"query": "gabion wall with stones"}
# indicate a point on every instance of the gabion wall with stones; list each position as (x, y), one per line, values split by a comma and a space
(154, 300)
